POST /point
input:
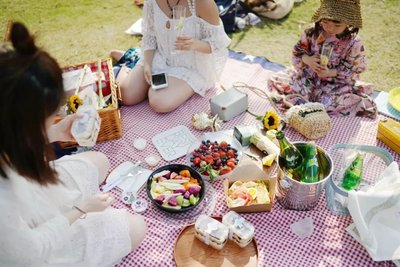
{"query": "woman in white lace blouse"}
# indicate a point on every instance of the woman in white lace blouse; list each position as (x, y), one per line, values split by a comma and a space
(52, 213)
(193, 62)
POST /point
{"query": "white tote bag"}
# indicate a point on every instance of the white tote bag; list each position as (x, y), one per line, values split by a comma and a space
(376, 216)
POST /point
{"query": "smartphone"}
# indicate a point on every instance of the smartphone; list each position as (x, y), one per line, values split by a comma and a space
(159, 81)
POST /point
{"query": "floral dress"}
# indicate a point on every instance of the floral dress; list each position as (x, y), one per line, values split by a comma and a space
(341, 95)
(199, 70)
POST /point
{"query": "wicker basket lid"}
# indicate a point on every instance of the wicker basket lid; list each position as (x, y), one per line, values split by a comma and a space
(348, 11)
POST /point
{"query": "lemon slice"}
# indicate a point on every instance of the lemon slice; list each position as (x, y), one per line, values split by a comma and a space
(268, 160)
(253, 192)
(180, 24)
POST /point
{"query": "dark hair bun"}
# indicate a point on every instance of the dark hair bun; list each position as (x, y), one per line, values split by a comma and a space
(22, 41)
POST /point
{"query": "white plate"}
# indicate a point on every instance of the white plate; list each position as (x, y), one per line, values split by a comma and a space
(173, 143)
(128, 182)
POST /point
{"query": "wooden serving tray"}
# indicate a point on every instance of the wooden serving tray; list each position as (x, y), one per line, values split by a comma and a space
(190, 251)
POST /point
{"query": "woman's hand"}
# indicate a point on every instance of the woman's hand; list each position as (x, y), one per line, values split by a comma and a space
(147, 72)
(187, 43)
(313, 62)
(96, 203)
(61, 131)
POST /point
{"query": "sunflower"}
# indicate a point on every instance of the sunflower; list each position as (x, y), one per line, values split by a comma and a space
(271, 120)
(74, 102)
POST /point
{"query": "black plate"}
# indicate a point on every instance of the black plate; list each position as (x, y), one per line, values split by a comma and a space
(177, 168)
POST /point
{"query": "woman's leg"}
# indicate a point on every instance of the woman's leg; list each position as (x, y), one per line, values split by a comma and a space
(137, 229)
(100, 160)
(168, 99)
(134, 87)
(116, 54)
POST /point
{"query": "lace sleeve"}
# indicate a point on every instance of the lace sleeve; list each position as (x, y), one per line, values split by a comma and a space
(219, 41)
(23, 244)
(149, 39)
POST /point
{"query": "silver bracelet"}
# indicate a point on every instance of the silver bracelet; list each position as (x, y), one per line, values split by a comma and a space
(83, 216)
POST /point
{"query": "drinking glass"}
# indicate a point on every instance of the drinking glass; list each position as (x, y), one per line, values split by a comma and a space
(178, 23)
(325, 54)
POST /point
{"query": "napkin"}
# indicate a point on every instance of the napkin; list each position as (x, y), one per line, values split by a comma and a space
(376, 216)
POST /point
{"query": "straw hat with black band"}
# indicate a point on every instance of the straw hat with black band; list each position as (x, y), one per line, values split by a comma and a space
(347, 11)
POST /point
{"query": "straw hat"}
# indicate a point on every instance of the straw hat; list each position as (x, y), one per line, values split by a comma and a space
(348, 11)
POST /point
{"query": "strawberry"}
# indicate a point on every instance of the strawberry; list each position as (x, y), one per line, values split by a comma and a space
(223, 144)
(231, 164)
(231, 153)
(222, 154)
(215, 155)
(209, 159)
(196, 161)
(225, 170)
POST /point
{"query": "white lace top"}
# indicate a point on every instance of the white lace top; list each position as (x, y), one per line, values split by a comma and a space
(33, 231)
(199, 70)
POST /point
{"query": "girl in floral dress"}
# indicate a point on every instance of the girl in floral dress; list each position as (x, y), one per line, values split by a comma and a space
(335, 85)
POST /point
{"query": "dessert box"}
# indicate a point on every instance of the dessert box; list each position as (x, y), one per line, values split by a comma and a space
(252, 170)
(240, 231)
(211, 231)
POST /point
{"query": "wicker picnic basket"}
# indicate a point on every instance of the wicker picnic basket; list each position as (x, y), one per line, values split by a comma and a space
(110, 127)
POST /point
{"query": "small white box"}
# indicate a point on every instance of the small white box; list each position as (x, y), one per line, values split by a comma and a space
(211, 231)
(229, 104)
(240, 231)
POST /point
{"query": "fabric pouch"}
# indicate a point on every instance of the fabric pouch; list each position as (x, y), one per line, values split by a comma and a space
(310, 119)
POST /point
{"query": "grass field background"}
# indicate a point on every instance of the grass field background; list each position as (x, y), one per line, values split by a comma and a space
(79, 31)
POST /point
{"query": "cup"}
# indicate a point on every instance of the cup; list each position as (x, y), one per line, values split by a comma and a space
(325, 54)
(178, 23)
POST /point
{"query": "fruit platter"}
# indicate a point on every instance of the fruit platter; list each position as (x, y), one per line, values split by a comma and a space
(215, 155)
(175, 188)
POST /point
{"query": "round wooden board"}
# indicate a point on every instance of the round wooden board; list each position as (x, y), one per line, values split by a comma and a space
(190, 251)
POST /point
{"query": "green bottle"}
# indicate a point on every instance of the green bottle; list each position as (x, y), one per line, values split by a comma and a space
(353, 174)
(289, 155)
(310, 171)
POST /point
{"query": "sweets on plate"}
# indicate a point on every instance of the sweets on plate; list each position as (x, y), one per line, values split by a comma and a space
(211, 231)
(242, 193)
(240, 231)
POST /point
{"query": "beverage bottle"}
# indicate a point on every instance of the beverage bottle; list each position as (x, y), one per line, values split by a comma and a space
(310, 171)
(353, 173)
(289, 155)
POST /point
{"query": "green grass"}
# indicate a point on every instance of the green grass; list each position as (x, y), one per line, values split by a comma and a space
(79, 31)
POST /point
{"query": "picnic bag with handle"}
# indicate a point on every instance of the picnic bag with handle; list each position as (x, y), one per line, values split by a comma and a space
(310, 119)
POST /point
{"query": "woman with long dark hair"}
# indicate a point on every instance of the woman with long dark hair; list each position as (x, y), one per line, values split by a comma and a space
(52, 212)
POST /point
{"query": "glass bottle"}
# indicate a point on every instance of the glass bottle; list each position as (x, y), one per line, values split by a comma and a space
(289, 155)
(310, 171)
(353, 173)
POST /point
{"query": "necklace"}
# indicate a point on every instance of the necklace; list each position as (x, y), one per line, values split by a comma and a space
(171, 7)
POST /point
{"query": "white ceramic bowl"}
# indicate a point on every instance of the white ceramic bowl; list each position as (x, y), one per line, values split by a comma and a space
(212, 137)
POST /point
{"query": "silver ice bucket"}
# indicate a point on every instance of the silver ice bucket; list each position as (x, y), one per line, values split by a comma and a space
(292, 194)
